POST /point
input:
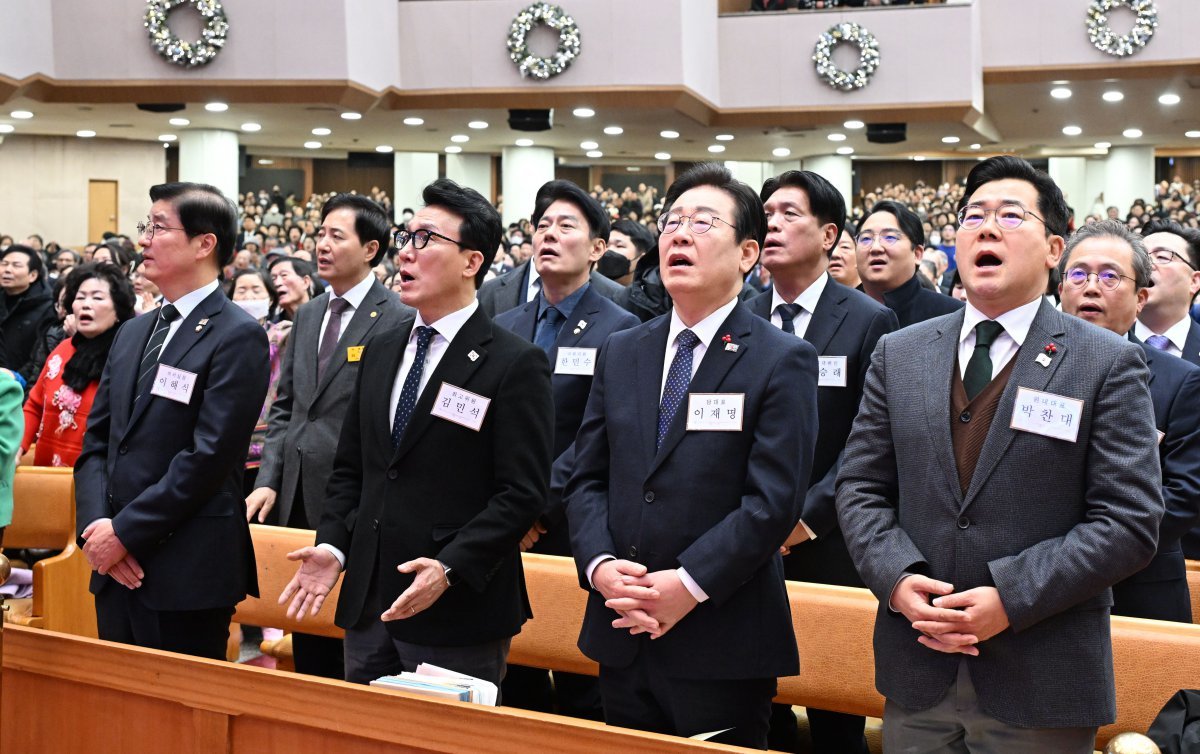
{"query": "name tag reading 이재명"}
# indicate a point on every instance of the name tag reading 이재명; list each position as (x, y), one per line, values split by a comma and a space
(831, 371)
(576, 361)
(715, 412)
(460, 406)
(1047, 414)
(173, 383)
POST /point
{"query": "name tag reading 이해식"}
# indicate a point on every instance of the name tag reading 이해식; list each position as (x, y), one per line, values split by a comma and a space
(831, 371)
(460, 406)
(580, 361)
(1047, 414)
(174, 383)
(715, 412)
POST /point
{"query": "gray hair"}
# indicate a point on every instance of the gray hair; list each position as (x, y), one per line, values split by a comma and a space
(1106, 228)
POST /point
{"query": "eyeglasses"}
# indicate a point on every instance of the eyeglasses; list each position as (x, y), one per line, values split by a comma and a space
(1008, 216)
(1166, 256)
(420, 238)
(887, 238)
(699, 222)
(149, 229)
(1107, 279)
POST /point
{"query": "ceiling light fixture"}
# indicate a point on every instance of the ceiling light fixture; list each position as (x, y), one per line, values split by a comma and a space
(85, 134)
(478, 125)
(724, 137)
(1102, 145)
(1168, 99)
(452, 149)
(595, 154)
(321, 132)
(845, 150)
(669, 134)
(1060, 92)
(524, 142)
(717, 148)
(1132, 133)
(167, 137)
(216, 107)
(1112, 95)
(585, 145)
(385, 149)
(781, 152)
(312, 145)
(853, 125)
(460, 138)
(976, 146)
(1189, 134)
(614, 130)
(251, 127)
(919, 158)
(1072, 130)
(5, 128)
(950, 139)
(583, 112)
(836, 137)
(662, 155)
(412, 121)
(351, 116)
(180, 122)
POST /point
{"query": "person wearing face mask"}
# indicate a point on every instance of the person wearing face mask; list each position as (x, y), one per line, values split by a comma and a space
(252, 292)
(56, 413)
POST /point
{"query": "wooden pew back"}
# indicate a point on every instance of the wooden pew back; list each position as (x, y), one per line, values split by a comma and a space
(1193, 577)
(271, 546)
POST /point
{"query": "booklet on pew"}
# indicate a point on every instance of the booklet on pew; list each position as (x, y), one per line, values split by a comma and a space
(430, 680)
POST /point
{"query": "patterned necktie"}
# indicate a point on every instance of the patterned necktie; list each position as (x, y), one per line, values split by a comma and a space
(678, 378)
(333, 331)
(408, 393)
(547, 329)
(787, 316)
(979, 368)
(1161, 342)
(154, 349)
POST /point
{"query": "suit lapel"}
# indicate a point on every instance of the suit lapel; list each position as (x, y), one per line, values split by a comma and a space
(582, 317)
(828, 317)
(943, 361)
(651, 351)
(1191, 346)
(526, 323)
(123, 372)
(365, 317)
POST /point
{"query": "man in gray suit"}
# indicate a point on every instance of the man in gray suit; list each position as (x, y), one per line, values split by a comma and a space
(1001, 476)
(320, 364)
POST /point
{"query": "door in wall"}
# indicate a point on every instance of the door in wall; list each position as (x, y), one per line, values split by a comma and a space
(102, 209)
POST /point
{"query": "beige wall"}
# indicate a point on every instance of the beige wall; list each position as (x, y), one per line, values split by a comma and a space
(44, 183)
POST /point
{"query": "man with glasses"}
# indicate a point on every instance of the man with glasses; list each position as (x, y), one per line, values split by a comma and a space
(1106, 281)
(690, 468)
(442, 466)
(1165, 322)
(158, 486)
(986, 494)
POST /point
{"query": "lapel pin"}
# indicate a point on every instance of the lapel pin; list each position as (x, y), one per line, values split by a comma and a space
(1043, 358)
(201, 325)
(729, 344)
(582, 324)
(374, 315)
(473, 356)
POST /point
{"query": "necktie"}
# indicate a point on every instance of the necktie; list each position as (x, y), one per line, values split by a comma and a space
(154, 349)
(678, 378)
(408, 393)
(1161, 342)
(333, 331)
(547, 329)
(979, 368)
(787, 315)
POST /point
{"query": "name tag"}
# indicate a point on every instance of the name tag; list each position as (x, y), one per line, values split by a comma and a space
(831, 371)
(173, 383)
(354, 353)
(715, 412)
(1161, 435)
(1047, 414)
(460, 406)
(576, 361)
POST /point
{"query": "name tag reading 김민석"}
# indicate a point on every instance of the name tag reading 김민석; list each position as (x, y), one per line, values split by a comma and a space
(173, 383)
(460, 406)
(715, 412)
(580, 361)
(1047, 414)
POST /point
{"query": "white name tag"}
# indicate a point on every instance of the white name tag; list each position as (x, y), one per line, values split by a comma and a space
(831, 371)
(715, 412)
(576, 361)
(1047, 414)
(460, 406)
(174, 383)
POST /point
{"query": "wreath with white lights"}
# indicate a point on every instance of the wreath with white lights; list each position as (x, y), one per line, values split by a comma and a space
(1121, 45)
(555, 18)
(868, 56)
(187, 54)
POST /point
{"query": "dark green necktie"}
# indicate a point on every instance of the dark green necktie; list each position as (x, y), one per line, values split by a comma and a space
(979, 368)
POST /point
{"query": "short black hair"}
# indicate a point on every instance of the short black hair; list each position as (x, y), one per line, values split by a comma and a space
(371, 222)
(35, 259)
(261, 275)
(303, 268)
(824, 201)
(119, 287)
(749, 221)
(553, 191)
(122, 256)
(1050, 204)
(481, 228)
(910, 223)
(1191, 237)
(202, 209)
(639, 234)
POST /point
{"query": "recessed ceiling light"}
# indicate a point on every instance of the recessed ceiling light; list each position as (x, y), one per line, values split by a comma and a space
(524, 142)
(251, 127)
(460, 138)
(976, 146)
(167, 137)
(266, 162)
(1060, 92)
(1132, 133)
(845, 150)
(588, 145)
(595, 154)
(414, 121)
(216, 107)
(836, 137)
(1104, 144)
(633, 168)
(21, 114)
(351, 116)
(478, 125)
(853, 125)
(781, 151)
(1189, 134)
(669, 134)
(1112, 95)
(583, 112)
(919, 158)
(85, 134)
(384, 149)
(724, 137)
(717, 148)
(614, 130)
(166, 145)
(6, 128)
(950, 139)
(453, 149)
(179, 122)
(321, 132)
(312, 145)
(662, 155)
(1168, 99)
(1072, 130)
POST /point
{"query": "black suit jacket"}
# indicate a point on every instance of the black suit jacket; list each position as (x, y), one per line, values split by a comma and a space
(169, 475)
(846, 323)
(914, 304)
(508, 290)
(1191, 347)
(718, 504)
(462, 496)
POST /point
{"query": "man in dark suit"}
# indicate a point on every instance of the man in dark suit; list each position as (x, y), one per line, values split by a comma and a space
(991, 516)
(1165, 322)
(1106, 280)
(320, 365)
(805, 217)
(158, 484)
(891, 240)
(442, 466)
(521, 284)
(570, 322)
(690, 468)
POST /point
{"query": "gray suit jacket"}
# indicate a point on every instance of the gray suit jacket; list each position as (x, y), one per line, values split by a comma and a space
(1050, 523)
(508, 291)
(306, 419)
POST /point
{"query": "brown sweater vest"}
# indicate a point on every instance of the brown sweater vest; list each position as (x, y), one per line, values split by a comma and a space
(970, 421)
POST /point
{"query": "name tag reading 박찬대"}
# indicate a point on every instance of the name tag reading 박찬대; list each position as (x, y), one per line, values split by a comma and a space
(715, 412)
(581, 361)
(174, 383)
(460, 406)
(1047, 414)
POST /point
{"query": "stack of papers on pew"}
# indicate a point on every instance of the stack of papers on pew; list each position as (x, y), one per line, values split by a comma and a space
(430, 680)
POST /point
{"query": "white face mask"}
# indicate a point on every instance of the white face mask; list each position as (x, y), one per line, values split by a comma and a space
(935, 238)
(257, 309)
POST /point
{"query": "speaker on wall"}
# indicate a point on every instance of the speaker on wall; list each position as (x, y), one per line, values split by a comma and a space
(530, 120)
(886, 133)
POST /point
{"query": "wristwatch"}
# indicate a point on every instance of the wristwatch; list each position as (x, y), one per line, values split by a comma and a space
(450, 574)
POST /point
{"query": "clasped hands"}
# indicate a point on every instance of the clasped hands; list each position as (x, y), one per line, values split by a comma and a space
(948, 621)
(108, 556)
(319, 571)
(651, 603)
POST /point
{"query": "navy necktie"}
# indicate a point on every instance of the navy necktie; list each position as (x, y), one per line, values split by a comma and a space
(547, 329)
(979, 368)
(678, 378)
(412, 384)
(787, 316)
(154, 349)
(1160, 342)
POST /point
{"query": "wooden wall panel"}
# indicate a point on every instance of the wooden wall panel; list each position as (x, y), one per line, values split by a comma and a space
(338, 175)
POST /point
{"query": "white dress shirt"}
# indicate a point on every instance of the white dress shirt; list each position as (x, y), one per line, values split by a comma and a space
(1176, 334)
(807, 301)
(534, 285)
(354, 297)
(1016, 323)
(184, 306)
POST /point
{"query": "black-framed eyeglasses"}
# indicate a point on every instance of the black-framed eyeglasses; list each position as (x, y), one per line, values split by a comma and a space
(1166, 256)
(1008, 216)
(149, 229)
(699, 222)
(420, 238)
(1077, 277)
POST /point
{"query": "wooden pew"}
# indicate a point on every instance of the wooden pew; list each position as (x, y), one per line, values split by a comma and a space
(1193, 577)
(44, 518)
